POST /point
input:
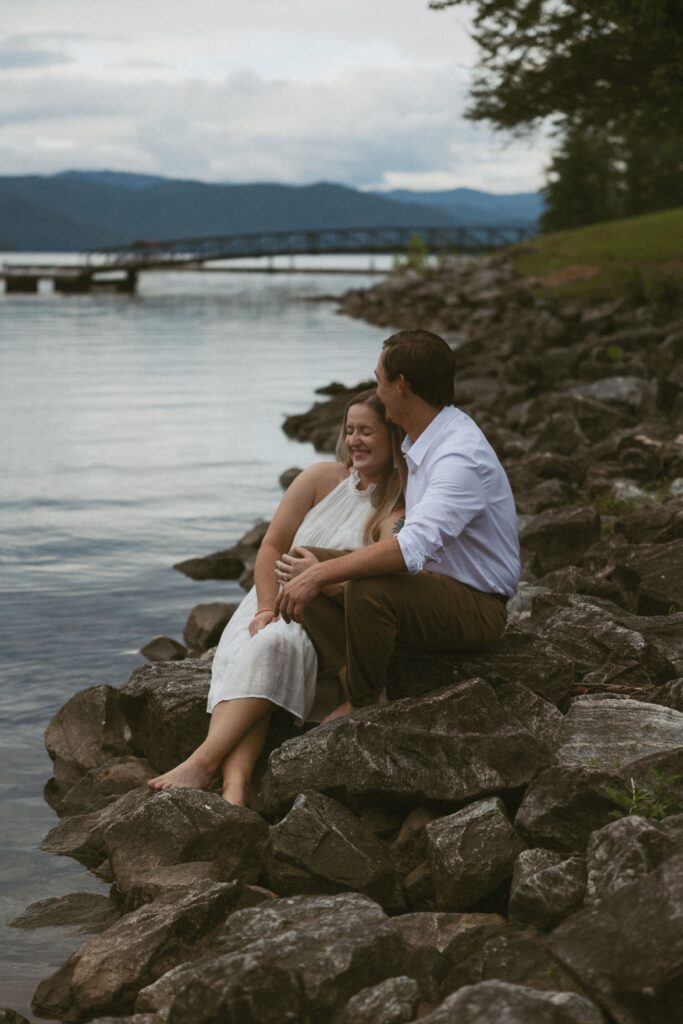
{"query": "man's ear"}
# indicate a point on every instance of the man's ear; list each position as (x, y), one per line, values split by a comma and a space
(403, 385)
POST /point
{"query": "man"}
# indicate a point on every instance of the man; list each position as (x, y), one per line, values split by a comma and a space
(442, 583)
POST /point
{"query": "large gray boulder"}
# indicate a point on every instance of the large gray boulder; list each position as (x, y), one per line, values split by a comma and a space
(517, 657)
(623, 852)
(546, 887)
(294, 959)
(105, 974)
(206, 622)
(653, 573)
(605, 733)
(554, 539)
(505, 1003)
(393, 1001)
(87, 911)
(432, 935)
(177, 825)
(321, 847)
(105, 784)
(455, 745)
(81, 836)
(165, 704)
(563, 805)
(471, 853)
(628, 951)
(86, 731)
(602, 649)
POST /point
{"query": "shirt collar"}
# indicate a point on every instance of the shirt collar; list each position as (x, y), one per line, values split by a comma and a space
(415, 451)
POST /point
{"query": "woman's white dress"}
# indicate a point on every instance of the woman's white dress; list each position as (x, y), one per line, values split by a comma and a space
(280, 662)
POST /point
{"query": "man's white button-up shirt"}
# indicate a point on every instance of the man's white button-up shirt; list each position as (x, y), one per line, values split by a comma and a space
(460, 514)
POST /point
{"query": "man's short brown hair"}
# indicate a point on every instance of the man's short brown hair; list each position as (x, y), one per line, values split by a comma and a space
(426, 362)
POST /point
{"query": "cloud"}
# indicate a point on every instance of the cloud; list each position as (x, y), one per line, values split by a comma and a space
(21, 52)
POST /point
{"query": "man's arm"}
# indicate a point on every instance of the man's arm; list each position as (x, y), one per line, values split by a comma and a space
(378, 559)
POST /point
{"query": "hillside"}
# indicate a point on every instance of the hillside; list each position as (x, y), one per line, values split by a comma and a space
(83, 210)
(641, 257)
(471, 206)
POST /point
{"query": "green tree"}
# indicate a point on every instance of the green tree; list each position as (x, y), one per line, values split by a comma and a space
(608, 77)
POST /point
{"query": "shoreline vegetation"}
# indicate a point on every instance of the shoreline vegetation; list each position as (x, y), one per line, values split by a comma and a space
(505, 837)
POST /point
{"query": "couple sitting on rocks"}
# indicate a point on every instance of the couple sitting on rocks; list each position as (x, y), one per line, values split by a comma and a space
(412, 540)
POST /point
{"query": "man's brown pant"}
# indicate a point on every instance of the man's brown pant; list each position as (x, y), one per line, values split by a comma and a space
(359, 628)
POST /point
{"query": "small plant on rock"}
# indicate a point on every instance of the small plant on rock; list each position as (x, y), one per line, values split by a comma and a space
(656, 797)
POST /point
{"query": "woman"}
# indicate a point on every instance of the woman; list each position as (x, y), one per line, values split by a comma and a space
(261, 661)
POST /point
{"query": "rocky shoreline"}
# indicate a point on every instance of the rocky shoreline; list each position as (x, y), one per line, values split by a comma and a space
(504, 839)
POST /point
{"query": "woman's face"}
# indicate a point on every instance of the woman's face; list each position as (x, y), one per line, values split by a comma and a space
(368, 442)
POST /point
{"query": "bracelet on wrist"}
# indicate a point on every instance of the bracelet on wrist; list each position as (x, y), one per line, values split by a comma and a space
(262, 610)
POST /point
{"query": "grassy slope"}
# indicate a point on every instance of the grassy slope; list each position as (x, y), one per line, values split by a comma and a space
(608, 258)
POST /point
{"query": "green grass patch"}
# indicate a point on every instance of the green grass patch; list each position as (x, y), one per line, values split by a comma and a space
(640, 259)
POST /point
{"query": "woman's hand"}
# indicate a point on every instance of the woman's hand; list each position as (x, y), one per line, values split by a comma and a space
(292, 565)
(261, 619)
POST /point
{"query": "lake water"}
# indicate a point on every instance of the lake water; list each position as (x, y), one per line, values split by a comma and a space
(134, 432)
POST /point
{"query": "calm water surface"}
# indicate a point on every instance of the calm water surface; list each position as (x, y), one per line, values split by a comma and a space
(134, 432)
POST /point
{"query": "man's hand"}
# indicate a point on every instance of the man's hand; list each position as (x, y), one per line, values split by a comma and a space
(295, 595)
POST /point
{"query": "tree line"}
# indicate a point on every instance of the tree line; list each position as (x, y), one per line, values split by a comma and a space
(608, 77)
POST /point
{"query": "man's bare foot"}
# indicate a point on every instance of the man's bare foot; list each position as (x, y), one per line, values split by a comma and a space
(344, 709)
(191, 774)
(235, 793)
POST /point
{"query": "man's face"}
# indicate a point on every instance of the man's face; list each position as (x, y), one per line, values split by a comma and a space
(387, 390)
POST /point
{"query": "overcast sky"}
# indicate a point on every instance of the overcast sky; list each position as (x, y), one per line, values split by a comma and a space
(365, 92)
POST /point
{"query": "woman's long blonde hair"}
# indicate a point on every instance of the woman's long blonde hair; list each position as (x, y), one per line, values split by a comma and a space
(388, 496)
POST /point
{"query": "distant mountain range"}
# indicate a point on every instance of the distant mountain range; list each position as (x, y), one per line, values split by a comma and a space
(79, 210)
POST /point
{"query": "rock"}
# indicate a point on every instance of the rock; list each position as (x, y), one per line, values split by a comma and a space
(104, 974)
(136, 1018)
(165, 705)
(669, 695)
(86, 731)
(621, 853)
(293, 959)
(177, 825)
(454, 745)
(471, 853)
(563, 805)
(539, 716)
(80, 836)
(87, 911)
(391, 1002)
(511, 954)
(288, 476)
(612, 732)
(546, 887)
(654, 574)
(164, 648)
(631, 393)
(221, 565)
(555, 539)
(575, 580)
(517, 657)
(513, 1004)
(654, 524)
(321, 847)
(665, 632)
(430, 935)
(410, 848)
(206, 623)
(105, 784)
(601, 649)
(627, 952)
(8, 1016)
(173, 877)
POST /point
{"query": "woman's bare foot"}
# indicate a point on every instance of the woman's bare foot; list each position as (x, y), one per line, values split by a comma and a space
(344, 709)
(191, 774)
(235, 792)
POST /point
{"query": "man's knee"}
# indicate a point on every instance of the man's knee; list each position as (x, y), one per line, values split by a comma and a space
(366, 594)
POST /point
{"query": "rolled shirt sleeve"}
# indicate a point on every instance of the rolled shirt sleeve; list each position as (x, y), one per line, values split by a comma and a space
(454, 497)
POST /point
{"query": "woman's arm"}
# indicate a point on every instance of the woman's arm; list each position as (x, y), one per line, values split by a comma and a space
(302, 494)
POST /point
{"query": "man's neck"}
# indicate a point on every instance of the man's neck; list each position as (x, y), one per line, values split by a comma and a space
(416, 420)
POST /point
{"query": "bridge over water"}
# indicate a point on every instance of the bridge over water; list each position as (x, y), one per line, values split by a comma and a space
(119, 268)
